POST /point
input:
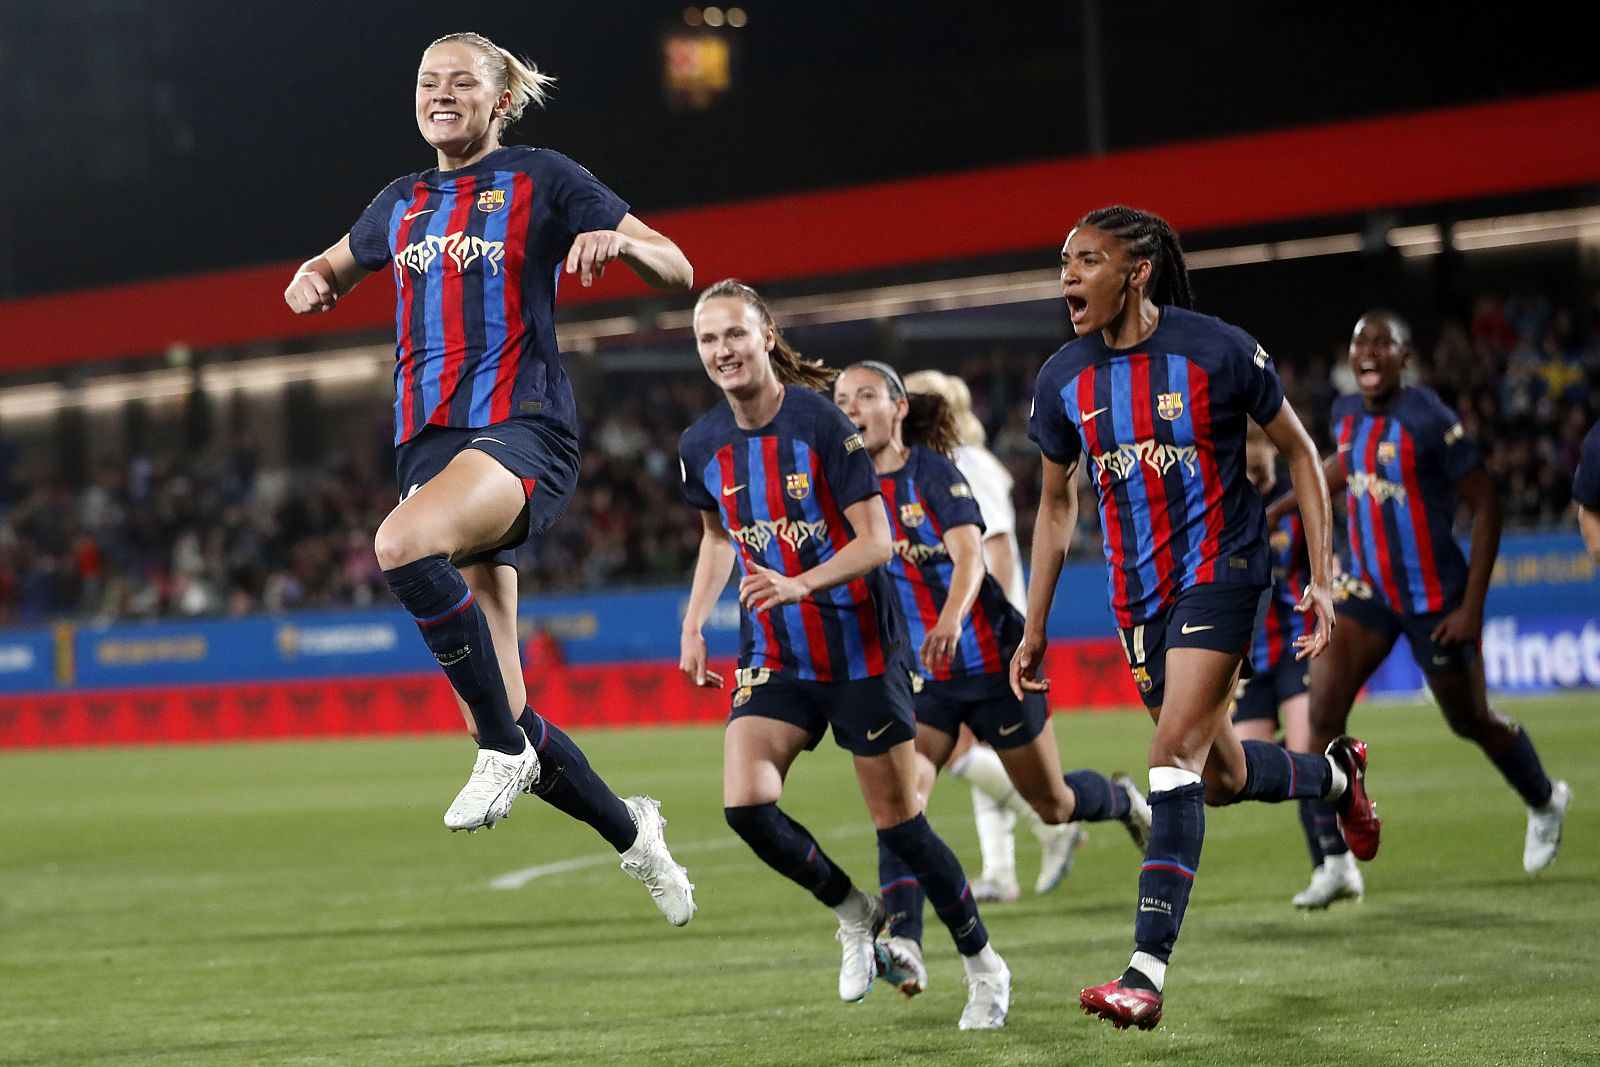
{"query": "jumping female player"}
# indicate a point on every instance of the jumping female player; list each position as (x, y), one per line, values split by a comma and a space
(784, 485)
(963, 629)
(485, 429)
(1404, 462)
(1157, 397)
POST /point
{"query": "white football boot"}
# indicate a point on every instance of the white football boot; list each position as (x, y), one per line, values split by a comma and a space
(648, 860)
(495, 782)
(1544, 830)
(988, 999)
(1138, 818)
(1336, 878)
(1058, 847)
(996, 886)
(858, 965)
(900, 964)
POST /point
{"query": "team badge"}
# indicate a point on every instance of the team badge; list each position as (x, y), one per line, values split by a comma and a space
(912, 515)
(1385, 451)
(1142, 677)
(742, 696)
(1169, 406)
(798, 486)
(491, 200)
(1279, 540)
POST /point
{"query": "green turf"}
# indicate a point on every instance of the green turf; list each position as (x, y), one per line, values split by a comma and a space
(301, 903)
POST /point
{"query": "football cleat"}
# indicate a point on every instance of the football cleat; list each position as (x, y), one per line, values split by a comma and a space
(997, 886)
(1138, 818)
(1544, 830)
(900, 964)
(988, 1000)
(1121, 1006)
(648, 860)
(494, 784)
(1358, 815)
(1059, 847)
(1336, 878)
(858, 965)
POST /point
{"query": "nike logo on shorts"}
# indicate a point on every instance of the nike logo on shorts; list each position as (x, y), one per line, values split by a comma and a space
(1442, 660)
(1007, 731)
(1187, 629)
(873, 735)
(496, 440)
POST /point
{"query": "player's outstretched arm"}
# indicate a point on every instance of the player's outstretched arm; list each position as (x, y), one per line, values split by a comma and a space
(320, 282)
(651, 255)
(1052, 536)
(1316, 516)
(711, 570)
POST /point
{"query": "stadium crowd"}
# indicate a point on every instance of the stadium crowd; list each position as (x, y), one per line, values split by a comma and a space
(219, 532)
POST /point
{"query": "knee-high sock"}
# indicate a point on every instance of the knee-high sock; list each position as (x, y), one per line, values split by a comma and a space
(569, 784)
(997, 839)
(1177, 831)
(1312, 832)
(456, 631)
(902, 894)
(1098, 799)
(788, 848)
(1519, 763)
(1322, 828)
(981, 766)
(1273, 774)
(936, 867)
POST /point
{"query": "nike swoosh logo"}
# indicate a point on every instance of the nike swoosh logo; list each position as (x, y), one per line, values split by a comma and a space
(1441, 660)
(1195, 629)
(873, 735)
(408, 216)
(1088, 415)
(1345, 448)
(729, 490)
(1007, 731)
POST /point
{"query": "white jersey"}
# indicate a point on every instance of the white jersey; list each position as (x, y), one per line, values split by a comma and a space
(991, 487)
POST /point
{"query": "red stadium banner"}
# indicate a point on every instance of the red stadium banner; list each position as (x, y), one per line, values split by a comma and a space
(1428, 157)
(1085, 675)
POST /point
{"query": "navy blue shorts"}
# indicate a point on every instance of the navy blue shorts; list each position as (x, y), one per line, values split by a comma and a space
(869, 716)
(542, 453)
(1357, 600)
(1260, 695)
(986, 704)
(1217, 615)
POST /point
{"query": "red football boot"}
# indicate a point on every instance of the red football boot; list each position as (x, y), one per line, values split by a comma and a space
(1121, 1006)
(1358, 815)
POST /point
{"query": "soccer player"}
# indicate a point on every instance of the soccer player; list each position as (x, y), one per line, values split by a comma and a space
(485, 429)
(1404, 463)
(1278, 687)
(1586, 491)
(963, 630)
(784, 485)
(1157, 397)
(996, 805)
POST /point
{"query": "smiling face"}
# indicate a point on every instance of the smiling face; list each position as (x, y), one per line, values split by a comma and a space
(869, 402)
(1378, 351)
(1098, 278)
(458, 105)
(734, 344)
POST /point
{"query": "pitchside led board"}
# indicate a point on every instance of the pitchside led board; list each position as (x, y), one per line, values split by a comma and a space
(1542, 632)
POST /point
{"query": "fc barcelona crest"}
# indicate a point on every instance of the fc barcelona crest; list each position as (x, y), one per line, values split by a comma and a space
(1169, 406)
(491, 200)
(798, 486)
(912, 515)
(1385, 452)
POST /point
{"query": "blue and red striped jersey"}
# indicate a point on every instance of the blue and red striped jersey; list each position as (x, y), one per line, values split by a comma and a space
(1291, 573)
(1401, 467)
(1163, 426)
(1586, 479)
(925, 498)
(477, 254)
(781, 492)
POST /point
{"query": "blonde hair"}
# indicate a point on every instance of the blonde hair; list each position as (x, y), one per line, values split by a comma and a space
(790, 366)
(526, 82)
(957, 396)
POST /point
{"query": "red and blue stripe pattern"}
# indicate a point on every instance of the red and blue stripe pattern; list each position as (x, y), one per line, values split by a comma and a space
(1291, 573)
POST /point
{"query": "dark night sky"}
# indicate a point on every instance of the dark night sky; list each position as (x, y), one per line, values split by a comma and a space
(152, 138)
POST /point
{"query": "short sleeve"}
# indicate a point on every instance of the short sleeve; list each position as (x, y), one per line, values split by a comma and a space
(1262, 391)
(581, 201)
(987, 480)
(1586, 483)
(695, 493)
(369, 237)
(1048, 425)
(844, 459)
(949, 494)
(1459, 455)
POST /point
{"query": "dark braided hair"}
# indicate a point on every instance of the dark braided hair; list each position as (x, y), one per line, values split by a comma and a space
(930, 420)
(1149, 237)
(790, 366)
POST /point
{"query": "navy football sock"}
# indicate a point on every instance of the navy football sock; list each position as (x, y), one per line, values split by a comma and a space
(1098, 798)
(788, 848)
(1177, 830)
(902, 895)
(1325, 825)
(1313, 833)
(937, 868)
(1273, 774)
(455, 630)
(1519, 762)
(569, 784)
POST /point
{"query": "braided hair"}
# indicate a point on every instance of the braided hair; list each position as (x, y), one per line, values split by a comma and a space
(1149, 237)
(790, 366)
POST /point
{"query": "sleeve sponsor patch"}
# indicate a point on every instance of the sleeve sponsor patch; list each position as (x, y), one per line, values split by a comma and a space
(961, 489)
(1261, 356)
(853, 443)
(1454, 434)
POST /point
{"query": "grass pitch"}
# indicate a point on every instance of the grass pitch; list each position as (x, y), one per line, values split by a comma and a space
(301, 904)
